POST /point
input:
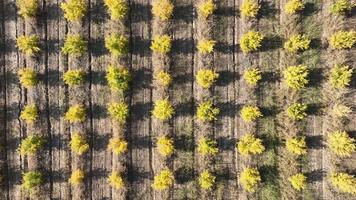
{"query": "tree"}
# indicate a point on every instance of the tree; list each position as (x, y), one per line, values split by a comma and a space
(161, 44)
(343, 39)
(340, 76)
(118, 9)
(343, 182)
(206, 78)
(249, 144)
(293, 6)
(118, 78)
(163, 78)
(252, 76)
(117, 145)
(206, 46)
(31, 179)
(340, 110)
(165, 146)
(250, 178)
(206, 8)
(163, 109)
(27, 8)
(207, 112)
(163, 180)
(75, 113)
(297, 111)
(31, 145)
(251, 41)
(250, 113)
(296, 77)
(77, 177)
(207, 147)
(118, 111)
(28, 44)
(341, 7)
(73, 77)
(297, 43)
(206, 180)
(298, 181)
(296, 145)
(249, 8)
(162, 9)
(28, 77)
(117, 44)
(74, 45)
(74, 10)
(29, 113)
(341, 144)
(115, 180)
(78, 144)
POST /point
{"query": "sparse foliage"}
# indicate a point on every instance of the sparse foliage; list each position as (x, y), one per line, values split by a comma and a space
(252, 76)
(341, 143)
(28, 44)
(28, 77)
(297, 111)
(163, 78)
(341, 7)
(250, 145)
(162, 9)
(343, 39)
(31, 179)
(165, 146)
(251, 41)
(296, 77)
(27, 8)
(77, 177)
(250, 113)
(75, 45)
(340, 76)
(297, 43)
(163, 109)
(115, 180)
(163, 180)
(74, 10)
(78, 144)
(206, 46)
(29, 113)
(294, 6)
(117, 44)
(118, 78)
(298, 181)
(31, 145)
(206, 78)
(118, 111)
(250, 178)
(206, 180)
(343, 182)
(117, 146)
(206, 8)
(340, 110)
(118, 9)
(75, 113)
(249, 8)
(296, 145)
(207, 112)
(73, 77)
(207, 147)
(161, 44)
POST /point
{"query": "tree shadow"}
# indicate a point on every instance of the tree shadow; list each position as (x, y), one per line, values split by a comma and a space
(270, 77)
(226, 11)
(184, 174)
(98, 78)
(98, 173)
(314, 77)
(224, 47)
(183, 12)
(315, 109)
(227, 109)
(226, 144)
(271, 111)
(315, 176)
(141, 46)
(135, 175)
(97, 13)
(271, 42)
(268, 173)
(226, 77)
(140, 141)
(182, 46)
(140, 12)
(141, 78)
(184, 143)
(100, 112)
(184, 109)
(140, 110)
(309, 9)
(97, 47)
(183, 78)
(267, 10)
(314, 141)
(315, 43)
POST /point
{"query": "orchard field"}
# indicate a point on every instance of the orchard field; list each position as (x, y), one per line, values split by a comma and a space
(177, 99)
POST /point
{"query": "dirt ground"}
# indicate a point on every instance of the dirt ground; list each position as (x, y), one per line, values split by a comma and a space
(229, 95)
